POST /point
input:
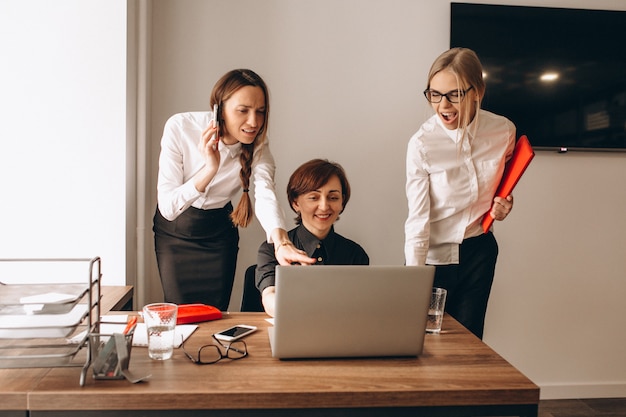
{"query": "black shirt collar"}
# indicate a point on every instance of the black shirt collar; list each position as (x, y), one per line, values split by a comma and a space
(309, 242)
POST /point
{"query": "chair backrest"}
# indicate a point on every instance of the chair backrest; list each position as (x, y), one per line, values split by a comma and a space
(251, 299)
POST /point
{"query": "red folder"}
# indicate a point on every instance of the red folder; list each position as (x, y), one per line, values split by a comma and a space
(196, 313)
(515, 167)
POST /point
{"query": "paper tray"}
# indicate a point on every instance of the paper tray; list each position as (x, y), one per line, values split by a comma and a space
(38, 353)
(42, 325)
(18, 299)
(41, 358)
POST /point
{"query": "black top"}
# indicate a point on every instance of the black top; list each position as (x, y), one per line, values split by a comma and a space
(333, 250)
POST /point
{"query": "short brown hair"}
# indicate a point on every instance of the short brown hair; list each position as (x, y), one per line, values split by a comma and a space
(312, 175)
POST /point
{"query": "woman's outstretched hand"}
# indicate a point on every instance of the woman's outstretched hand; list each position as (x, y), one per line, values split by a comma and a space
(287, 254)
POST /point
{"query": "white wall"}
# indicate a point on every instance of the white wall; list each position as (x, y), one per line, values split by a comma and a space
(62, 146)
(345, 78)
(557, 310)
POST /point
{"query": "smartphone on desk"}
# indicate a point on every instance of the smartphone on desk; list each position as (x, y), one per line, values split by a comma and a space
(235, 333)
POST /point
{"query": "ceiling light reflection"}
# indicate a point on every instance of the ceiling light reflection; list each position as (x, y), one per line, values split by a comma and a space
(549, 77)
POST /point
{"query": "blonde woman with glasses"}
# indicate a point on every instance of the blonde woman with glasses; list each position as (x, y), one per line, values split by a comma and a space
(454, 164)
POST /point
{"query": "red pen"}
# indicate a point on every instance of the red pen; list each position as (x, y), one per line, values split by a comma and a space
(131, 323)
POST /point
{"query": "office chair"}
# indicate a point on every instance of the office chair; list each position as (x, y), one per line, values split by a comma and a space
(251, 299)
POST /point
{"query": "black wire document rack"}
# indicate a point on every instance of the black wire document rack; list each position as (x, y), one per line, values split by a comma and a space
(48, 309)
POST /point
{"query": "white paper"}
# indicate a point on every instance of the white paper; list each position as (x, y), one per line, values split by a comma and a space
(185, 330)
(48, 298)
(140, 336)
(115, 318)
(41, 325)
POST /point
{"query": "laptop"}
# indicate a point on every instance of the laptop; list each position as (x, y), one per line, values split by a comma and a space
(339, 311)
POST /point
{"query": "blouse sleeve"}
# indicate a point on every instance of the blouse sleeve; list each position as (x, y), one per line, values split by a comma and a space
(174, 193)
(417, 225)
(268, 211)
(511, 140)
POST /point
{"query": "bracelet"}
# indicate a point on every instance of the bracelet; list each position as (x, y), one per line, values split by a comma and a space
(285, 243)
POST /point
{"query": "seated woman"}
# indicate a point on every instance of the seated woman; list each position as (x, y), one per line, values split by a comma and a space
(318, 192)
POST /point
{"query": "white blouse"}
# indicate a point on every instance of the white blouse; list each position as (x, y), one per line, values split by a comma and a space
(180, 160)
(451, 181)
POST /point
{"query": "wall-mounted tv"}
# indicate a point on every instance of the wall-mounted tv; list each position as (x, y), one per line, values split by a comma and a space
(559, 74)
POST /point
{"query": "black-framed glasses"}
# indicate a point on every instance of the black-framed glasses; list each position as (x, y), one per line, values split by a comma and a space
(454, 96)
(210, 354)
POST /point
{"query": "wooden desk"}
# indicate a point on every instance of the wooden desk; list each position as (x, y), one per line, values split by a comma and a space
(457, 375)
(16, 384)
(116, 297)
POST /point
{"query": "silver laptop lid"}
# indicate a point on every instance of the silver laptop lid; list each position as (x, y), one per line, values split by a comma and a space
(350, 310)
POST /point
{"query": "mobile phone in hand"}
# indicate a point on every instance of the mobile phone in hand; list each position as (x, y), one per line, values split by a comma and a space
(216, 120)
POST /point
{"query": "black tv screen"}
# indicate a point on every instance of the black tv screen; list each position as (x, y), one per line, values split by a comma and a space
(582, 103)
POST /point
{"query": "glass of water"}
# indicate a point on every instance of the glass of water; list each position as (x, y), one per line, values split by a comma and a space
(435, 310)
(160, 319)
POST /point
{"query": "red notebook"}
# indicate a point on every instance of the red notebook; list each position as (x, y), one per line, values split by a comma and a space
(196, 313)
(515, 167)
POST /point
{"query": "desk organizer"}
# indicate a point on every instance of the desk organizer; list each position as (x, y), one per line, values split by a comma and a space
(48, 309)
(111, 354)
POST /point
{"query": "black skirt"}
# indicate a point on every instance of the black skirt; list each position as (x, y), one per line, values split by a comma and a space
(469, 282)
(197, 256)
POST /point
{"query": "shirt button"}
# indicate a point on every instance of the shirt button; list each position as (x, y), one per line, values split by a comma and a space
(319, 259)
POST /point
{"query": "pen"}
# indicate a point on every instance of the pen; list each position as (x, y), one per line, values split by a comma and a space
(131, 323)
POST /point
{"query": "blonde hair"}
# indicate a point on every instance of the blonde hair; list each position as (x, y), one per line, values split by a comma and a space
(465, 65)
(222, 91)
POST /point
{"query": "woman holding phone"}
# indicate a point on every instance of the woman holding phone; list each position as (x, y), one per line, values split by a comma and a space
(202, 167)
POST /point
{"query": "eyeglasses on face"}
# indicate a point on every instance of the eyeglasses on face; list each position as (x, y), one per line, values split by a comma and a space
(210, 354)
(454, 96)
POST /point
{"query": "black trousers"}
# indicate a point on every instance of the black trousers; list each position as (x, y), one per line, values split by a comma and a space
(197, 256)
(469, 282)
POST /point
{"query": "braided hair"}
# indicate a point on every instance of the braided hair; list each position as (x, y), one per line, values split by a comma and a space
(223, 90)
